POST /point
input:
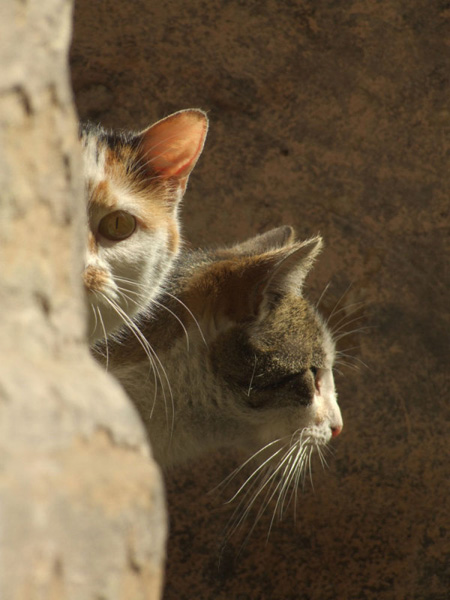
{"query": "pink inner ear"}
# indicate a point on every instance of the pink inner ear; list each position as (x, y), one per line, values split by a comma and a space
(173, 145)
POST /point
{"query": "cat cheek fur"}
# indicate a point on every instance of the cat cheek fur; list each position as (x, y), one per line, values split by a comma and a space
(125, 275)
(145, 176)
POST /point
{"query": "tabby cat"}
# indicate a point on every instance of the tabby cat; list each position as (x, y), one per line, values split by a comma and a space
(134, 184)
(238, 357)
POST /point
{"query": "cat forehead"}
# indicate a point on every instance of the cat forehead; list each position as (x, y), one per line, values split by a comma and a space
(108, 155)
(94, 158)
(290, 320)
(102, 160)
(291, 335)
(287, 338)
(107, 195)
(110, 185)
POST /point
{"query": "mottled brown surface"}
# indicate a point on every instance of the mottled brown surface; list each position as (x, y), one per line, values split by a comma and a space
(71, 528)
(332, 117)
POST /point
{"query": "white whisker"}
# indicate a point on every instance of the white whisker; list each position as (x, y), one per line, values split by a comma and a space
(278, 476)
(336, 329)
(322, 294)
(191, 314)
(339, 301)
(285, 462)
(356, 359)
(105, 336)
(162, 306)
(94, 327)
(355, 306)
(150, 353)
(251, 379)
(236, 471)
(253, 475)
(297, 463)
(267, 482)
(310, 467)
(358, 330)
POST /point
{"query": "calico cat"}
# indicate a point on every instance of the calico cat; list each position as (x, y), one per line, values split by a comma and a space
(134, 184)
(238, 357)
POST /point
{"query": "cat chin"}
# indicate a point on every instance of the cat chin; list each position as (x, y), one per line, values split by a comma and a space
(103, 320)
(309, 435)
(113, 304)
(318, 435)
(319, 423)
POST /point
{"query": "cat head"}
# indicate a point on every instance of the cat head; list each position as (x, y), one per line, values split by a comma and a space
(134, 184)
(266, 343)
(239, 356)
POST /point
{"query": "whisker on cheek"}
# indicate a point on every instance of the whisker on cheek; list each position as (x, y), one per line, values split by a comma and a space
(277, 477)
(154, 360)
(163, 307)
(105, 336)
(322, 295)
(236, 471)
(190, 313)
(95, 325)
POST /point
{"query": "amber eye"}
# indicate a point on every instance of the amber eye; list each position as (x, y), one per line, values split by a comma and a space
(117, 226)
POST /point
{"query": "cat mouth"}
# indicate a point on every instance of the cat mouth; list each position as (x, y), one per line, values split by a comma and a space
(322, 433)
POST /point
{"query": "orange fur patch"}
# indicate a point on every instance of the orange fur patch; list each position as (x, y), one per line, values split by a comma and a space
(227, 289)
(154, 196)
(156, 214)
(101, 195)
(95, 279)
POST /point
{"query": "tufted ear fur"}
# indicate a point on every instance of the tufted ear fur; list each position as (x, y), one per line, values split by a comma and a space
(279, 237)
(237, 289)
(172, 146)
(290, 272)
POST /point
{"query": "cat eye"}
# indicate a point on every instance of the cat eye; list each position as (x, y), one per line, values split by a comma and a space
(281, 382)
(291, 378)
(117, 226)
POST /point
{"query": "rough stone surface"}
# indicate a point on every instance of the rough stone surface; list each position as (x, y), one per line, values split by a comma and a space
(332, 117)
(82, 513)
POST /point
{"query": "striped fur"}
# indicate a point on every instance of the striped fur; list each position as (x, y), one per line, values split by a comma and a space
(236, 356)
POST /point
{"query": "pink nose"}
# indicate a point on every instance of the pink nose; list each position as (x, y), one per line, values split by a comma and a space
(335, 431)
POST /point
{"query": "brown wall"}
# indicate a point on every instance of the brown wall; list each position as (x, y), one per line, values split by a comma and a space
(332, 117)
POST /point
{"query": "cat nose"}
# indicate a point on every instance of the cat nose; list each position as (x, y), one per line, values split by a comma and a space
(335, 431)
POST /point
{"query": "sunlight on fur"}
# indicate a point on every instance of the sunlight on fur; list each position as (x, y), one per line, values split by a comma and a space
(134, 185)
(233, 355)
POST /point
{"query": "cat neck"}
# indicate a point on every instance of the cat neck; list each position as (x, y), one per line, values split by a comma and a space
(171, 380)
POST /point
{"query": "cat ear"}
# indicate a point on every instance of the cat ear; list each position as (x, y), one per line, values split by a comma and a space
(270, 276)
(292, 267)
(270, 240)
(240, 287)
(172, 146)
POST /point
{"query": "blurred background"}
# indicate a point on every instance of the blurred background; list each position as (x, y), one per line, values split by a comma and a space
(333, 117)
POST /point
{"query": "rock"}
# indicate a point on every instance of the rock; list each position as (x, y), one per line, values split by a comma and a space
(81, 500)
